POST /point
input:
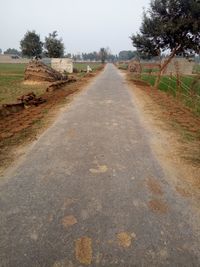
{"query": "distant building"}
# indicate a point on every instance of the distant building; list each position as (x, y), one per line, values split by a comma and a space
(15, 56)
(13, 59)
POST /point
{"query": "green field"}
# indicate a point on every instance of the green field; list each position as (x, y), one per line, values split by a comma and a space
(123, 66)
(11, 86)
(187, 90)
(8, 68)
(82, 66)
(168, 83)
(12, 76)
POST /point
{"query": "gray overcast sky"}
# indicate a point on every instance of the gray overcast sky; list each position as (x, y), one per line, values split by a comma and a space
(84, 25)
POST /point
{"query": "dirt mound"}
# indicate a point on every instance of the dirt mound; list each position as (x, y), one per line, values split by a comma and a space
(7, 109)
(30, 99)
(38, 71)
(140, 82)
(58, 84)
(135, 66)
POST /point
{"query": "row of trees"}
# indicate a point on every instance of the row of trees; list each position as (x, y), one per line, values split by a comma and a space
(32, 46)
(127, 55)
(53, 47)
(169, 26)
(104, 54)
(12, 51)
(107, 55)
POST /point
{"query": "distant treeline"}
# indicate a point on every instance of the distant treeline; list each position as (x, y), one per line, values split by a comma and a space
(91, 56)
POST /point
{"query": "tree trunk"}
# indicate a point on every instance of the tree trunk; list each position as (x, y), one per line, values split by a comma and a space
(158, 76)
(162, 67)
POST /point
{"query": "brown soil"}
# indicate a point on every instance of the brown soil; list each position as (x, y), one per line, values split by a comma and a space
(182, 191)
(23, 127)
(150, 65)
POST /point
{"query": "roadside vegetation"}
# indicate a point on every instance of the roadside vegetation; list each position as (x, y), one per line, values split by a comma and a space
(185, 88)
(171, 27)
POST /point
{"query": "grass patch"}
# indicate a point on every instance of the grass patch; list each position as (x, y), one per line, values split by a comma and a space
(167, 83)
(123, 66)
(196, 68)
(12, 68)
(149, 79)
(83, 66)
(187, 90)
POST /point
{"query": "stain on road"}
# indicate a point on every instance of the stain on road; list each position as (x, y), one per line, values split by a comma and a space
(158, 205)
(69, 221)
(154, 186)
(124, 239)
(84, 250)
(99, 169)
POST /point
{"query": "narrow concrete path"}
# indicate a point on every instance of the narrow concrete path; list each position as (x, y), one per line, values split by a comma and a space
(91, 193)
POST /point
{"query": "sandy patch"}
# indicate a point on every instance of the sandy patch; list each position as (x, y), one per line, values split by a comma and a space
(125, 239)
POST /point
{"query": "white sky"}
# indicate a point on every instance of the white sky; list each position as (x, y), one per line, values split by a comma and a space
(84, 25)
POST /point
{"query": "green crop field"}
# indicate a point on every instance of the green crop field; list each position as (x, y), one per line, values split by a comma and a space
(12, 76)
(11, 68)
(11, 83)
(167, 83)
(83, 65)
(188, 89)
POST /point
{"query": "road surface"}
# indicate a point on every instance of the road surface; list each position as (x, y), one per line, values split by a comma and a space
(91, 193)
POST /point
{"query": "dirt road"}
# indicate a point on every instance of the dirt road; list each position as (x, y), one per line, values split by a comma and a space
(91, 193)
